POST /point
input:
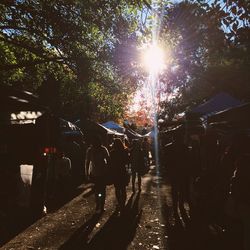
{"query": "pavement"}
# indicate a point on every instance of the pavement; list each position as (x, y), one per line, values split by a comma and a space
(147, 223)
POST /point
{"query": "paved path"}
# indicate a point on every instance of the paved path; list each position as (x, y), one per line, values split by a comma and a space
(76, 226)
(147, 224)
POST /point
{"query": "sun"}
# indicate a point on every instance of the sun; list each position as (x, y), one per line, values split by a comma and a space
(153, 59)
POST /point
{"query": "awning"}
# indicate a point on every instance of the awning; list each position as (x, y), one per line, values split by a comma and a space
(132, 134)
(94, 127)
(239, 116)
(114, 126)
(217, 103)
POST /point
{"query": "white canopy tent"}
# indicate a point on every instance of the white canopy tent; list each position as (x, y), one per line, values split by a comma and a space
(114, 126)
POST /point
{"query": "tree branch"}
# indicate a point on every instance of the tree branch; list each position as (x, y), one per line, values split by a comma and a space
(37, 51)
(8, 27)
(147, 4)
(30, 63)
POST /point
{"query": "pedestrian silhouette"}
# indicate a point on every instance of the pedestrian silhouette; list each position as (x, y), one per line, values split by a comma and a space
(119, 161)
(240, 190)
(97, 162)
(176, 160)
(137, 163)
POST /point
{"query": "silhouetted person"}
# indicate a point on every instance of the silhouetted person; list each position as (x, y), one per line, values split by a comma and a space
(119, 160)
(241, 190)
(97, 160)
(152, 150)
(62, 174)
(146, 149)
(83, 149)
(175, 153)
(73, 151)
(137, 163)
(194, 168)
(210, 150)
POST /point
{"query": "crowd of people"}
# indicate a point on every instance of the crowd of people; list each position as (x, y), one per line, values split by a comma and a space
(113, 165)
(203, 170)
(207, 170)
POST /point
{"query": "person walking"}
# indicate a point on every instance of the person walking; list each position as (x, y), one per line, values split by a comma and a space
(119, 161)
(176, 170)
(240, 189)
(146, 149)
(97, 162)
(62, 176)
(137, 163)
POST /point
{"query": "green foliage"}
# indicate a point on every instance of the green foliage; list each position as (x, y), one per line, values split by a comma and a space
(232, 14)
(205, 58)
(72, 40)
(107, 105)
(90, 50)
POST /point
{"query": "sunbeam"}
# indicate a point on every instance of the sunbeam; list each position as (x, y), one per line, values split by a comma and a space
(155, 62)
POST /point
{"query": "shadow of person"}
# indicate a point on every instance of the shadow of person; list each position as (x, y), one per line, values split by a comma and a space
(178, 237)
(119, 231)
(80, 237)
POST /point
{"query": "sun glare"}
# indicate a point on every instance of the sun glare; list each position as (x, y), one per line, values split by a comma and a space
(153, 59)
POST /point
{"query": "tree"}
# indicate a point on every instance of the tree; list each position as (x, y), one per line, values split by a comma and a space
(233, 14)
(205, 59)
(76, 38)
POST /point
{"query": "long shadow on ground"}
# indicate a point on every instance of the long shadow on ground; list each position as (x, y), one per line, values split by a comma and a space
(116, 233)
(119, 231)
(80, 237)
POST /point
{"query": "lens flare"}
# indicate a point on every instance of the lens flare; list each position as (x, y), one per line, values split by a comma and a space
(153, 59)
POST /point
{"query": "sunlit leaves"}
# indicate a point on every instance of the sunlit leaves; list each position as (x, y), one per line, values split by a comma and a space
(105, 103)
(72, 40)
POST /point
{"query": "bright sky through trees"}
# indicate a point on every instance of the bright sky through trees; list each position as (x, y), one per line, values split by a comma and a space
(153, 59)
